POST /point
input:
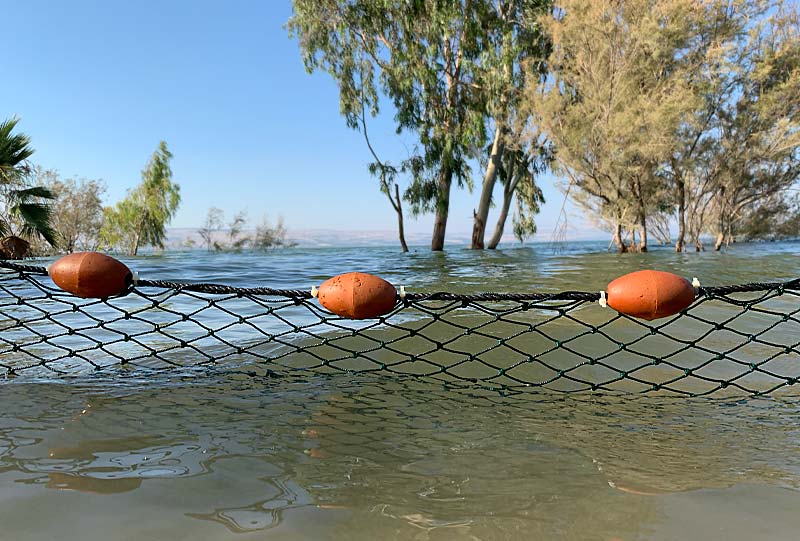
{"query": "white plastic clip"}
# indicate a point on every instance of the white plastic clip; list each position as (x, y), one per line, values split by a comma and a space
(314, 291)
(135, 277)
(696, 285)
(603, 302)
(402, 292)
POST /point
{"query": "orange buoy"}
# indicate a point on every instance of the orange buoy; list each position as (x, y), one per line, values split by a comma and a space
(650, 294)
(91, 275)
(357, 295)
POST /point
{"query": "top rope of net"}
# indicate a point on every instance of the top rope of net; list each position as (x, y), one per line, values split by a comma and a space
(590, 296)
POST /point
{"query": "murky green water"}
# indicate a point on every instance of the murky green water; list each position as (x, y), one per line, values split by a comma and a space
(217, 455)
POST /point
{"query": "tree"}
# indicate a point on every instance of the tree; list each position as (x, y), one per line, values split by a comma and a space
(675, 111)
(739, 151)
(517, 172)
(616, 99)
(268, 236)
(213, 223)
(77, 214)
(422, 56)
(141, 218)
(236, 238)
(26, 211)
(513, 39)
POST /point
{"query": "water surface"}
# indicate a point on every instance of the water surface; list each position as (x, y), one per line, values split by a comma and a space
(216, 454)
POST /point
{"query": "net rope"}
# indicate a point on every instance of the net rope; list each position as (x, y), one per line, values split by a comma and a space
(737, 339)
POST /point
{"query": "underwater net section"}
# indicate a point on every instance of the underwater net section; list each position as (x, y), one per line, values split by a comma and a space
(740, 339)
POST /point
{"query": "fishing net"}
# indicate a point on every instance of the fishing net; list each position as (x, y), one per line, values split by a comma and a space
(740, 339)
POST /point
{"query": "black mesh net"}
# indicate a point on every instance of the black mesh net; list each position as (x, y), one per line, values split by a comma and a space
(739, 339)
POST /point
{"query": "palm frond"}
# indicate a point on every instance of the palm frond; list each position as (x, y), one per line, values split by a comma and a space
(36, 221)
(27, 194)
(14, 148)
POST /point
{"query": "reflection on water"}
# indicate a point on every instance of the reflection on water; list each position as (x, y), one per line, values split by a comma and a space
(371, 457)
(222, 455)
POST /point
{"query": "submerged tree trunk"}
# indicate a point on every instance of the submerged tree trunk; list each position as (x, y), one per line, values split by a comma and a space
(396, 203)
(617, 239)
(489, 178)
(642, 235)
(641, 212)
(442, 208)
(135, 248)
(718, 243)
(720, 231)
(680, 243)
(508, 195)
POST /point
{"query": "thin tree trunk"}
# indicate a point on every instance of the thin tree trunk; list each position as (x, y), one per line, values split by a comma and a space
(698, 244)
(508, 195)
(135, 249)
(642, 234)
(720, 240)
(642, 215)
(617, 239)
(399, 209)
(442, 208)
(489, 178)
(680, 243)
(720, 231)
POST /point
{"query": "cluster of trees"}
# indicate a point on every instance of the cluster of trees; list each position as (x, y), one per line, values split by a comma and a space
(140, 219)
(24, 207)
(455, 74)
(655, 112)
(42, 213)
(676, 111)
(235, 237)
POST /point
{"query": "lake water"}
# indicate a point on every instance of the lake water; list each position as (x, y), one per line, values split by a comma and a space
(219, 455)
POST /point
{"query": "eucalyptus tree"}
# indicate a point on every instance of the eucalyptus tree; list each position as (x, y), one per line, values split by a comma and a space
(514, 38)
(141, 218)
(422, 55)
(517, 171)
(25, 209)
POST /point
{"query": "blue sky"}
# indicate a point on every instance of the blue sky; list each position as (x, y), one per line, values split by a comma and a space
(98, 84)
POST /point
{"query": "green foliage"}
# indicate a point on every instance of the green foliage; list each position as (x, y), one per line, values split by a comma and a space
(236, 238)
(617, 97)
(141, 218)
(266, 236)
(212, 223)
(26, 209)
(77, 210)
(676, 105)
(423, 57)
(15, 150)
(269, 236)
(776, 219)
(529, 194)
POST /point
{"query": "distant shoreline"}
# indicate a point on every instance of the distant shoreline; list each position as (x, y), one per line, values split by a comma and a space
(177, 238)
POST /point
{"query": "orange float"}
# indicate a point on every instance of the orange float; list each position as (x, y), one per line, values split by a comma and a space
(650, 294)
(357, 295)
(91, 275)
